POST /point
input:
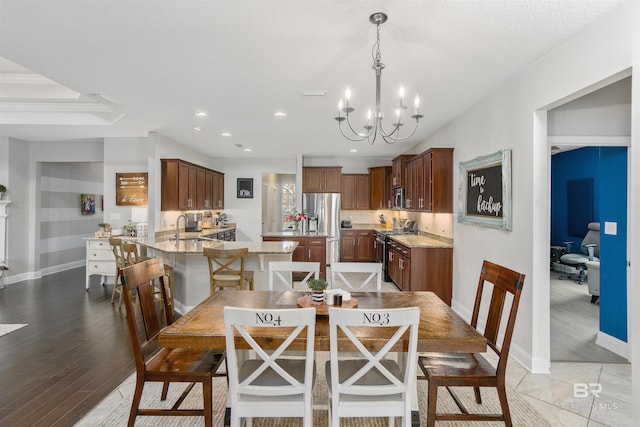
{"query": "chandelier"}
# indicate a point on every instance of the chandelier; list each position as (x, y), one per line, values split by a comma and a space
(374, 127)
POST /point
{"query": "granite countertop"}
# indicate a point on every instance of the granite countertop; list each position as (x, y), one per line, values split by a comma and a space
(420, 241)
(195, 246)
(374, 227)
(294, 234)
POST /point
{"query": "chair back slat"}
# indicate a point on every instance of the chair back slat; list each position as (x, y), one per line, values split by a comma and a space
(139, 278)
(373, 269)
(405, 322)
(280, 273)
(240, 323)
(504, 281)
(226, 266)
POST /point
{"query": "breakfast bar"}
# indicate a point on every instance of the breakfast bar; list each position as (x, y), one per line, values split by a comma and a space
(191, 270)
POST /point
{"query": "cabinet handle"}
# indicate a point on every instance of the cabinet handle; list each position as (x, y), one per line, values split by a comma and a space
(401, 264)
(390, 256)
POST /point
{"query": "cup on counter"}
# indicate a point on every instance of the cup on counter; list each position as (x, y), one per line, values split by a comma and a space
(337, 299)
(328, 296)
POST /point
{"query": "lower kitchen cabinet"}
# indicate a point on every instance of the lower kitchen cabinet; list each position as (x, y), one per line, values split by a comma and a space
(421, 269)
(309, 249)
(357, 246)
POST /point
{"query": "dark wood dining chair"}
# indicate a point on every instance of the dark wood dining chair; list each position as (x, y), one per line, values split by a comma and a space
(473, 370)
(164, 364)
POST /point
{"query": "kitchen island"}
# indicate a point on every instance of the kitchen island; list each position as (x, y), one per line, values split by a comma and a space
(191, 270)
(312, 247)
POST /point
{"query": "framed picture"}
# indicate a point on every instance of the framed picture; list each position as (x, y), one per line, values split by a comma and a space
(484, 194)
(245, 188)
(88, 204)
(132, 189)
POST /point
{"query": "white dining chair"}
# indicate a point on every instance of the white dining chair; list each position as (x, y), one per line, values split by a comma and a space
(281, 273)
(370, 384)
(356, 282)
(267, 384)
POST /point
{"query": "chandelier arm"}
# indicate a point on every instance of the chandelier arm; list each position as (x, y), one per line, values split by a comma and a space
(367, 134)
(395, 129)
(350, 138)
(404, 138)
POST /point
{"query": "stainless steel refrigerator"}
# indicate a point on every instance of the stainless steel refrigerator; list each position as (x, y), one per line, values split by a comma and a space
(326, 208)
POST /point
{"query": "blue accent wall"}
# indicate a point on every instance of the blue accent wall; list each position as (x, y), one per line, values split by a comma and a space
(607, 166)
(613, 249)
(568, 166)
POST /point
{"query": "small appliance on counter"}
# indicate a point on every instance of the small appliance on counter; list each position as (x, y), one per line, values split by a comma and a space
(383, 219)
(221, 219)
(193, 222)
(207, 219)
(346, 224)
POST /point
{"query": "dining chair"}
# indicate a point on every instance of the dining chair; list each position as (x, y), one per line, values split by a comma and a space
(226, 268)
(121, 262)
(370, 384)
(267, 384)
(281, 273)
(356, 282)
(164, 365)
(473, 370)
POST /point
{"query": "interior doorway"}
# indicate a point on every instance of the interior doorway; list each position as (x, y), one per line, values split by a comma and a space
(588, 139)
(278, 199)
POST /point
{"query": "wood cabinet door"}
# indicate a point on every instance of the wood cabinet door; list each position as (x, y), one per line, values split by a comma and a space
(376, 188)
(427, 183)
(218, 191)
(332, 180)
(442, 180)
(169, 185)
(312, 180)
(200, 195)
(405, 272)
(362, 191)
(348, 194)
(348, 243)
(208, 189)
(183, 186)
(392, 266)
(364, 246)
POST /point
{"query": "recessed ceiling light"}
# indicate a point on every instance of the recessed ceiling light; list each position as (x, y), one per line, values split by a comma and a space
(225, 134)
(197, 128)
(280, 114)
(247, 149)
(353, 150)
(201, 114)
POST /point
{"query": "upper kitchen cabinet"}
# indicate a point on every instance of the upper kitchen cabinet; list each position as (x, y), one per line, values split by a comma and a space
(185, 186)
(398, 169)
(355, 191)
(321, 179)
(429, 181)
(380, 187)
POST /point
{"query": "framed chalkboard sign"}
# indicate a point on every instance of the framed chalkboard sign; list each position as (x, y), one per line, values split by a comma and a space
(484, 193)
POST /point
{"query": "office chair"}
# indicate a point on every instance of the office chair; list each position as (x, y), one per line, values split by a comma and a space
(590, 248)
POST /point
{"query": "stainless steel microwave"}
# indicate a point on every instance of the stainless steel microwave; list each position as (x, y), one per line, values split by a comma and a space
(398, 198)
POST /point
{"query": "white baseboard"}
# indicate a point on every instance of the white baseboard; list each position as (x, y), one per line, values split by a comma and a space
(32, 275)
(63, 267)
(613, 344)
(181, 308)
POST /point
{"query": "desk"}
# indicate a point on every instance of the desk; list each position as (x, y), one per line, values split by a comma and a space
(441, 329)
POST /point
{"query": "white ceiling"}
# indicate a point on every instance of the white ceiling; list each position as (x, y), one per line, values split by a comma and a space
(156, 63)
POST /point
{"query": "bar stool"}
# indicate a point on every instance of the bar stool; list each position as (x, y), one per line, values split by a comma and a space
(223, 273)
(132, 256)
(121, 262)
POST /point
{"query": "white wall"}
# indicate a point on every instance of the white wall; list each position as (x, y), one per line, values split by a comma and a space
(505, 119)
(349, 165)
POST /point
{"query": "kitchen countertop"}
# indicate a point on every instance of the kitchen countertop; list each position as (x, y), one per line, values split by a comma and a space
(194, 246)
(420, 241)
(184, 235)
(374, 227)
(293, 234)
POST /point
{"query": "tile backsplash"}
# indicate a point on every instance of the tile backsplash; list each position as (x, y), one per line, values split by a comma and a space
(433, 223)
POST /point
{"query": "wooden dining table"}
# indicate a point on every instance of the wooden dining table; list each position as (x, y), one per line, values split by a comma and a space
(440, 329)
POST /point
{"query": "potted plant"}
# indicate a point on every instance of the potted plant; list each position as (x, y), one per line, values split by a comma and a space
(317, 287)
(3, 190)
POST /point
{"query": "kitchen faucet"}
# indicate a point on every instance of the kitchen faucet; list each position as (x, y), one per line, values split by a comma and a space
(178, 226)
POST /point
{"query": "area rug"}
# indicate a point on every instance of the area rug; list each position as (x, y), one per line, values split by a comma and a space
(7, 328)
(114, 410)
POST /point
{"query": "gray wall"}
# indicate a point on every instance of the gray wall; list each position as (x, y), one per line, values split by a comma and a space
(62, 225)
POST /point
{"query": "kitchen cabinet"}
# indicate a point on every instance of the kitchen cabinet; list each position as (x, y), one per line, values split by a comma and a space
(421, 269)
(380, 187)
(321, 179)
(357, 246)
(398, 170)
(429, 181)
(309, 249)
(355, 192)
(185, 186)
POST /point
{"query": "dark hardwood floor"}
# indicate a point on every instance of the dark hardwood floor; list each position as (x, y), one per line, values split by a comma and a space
(74, 352)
